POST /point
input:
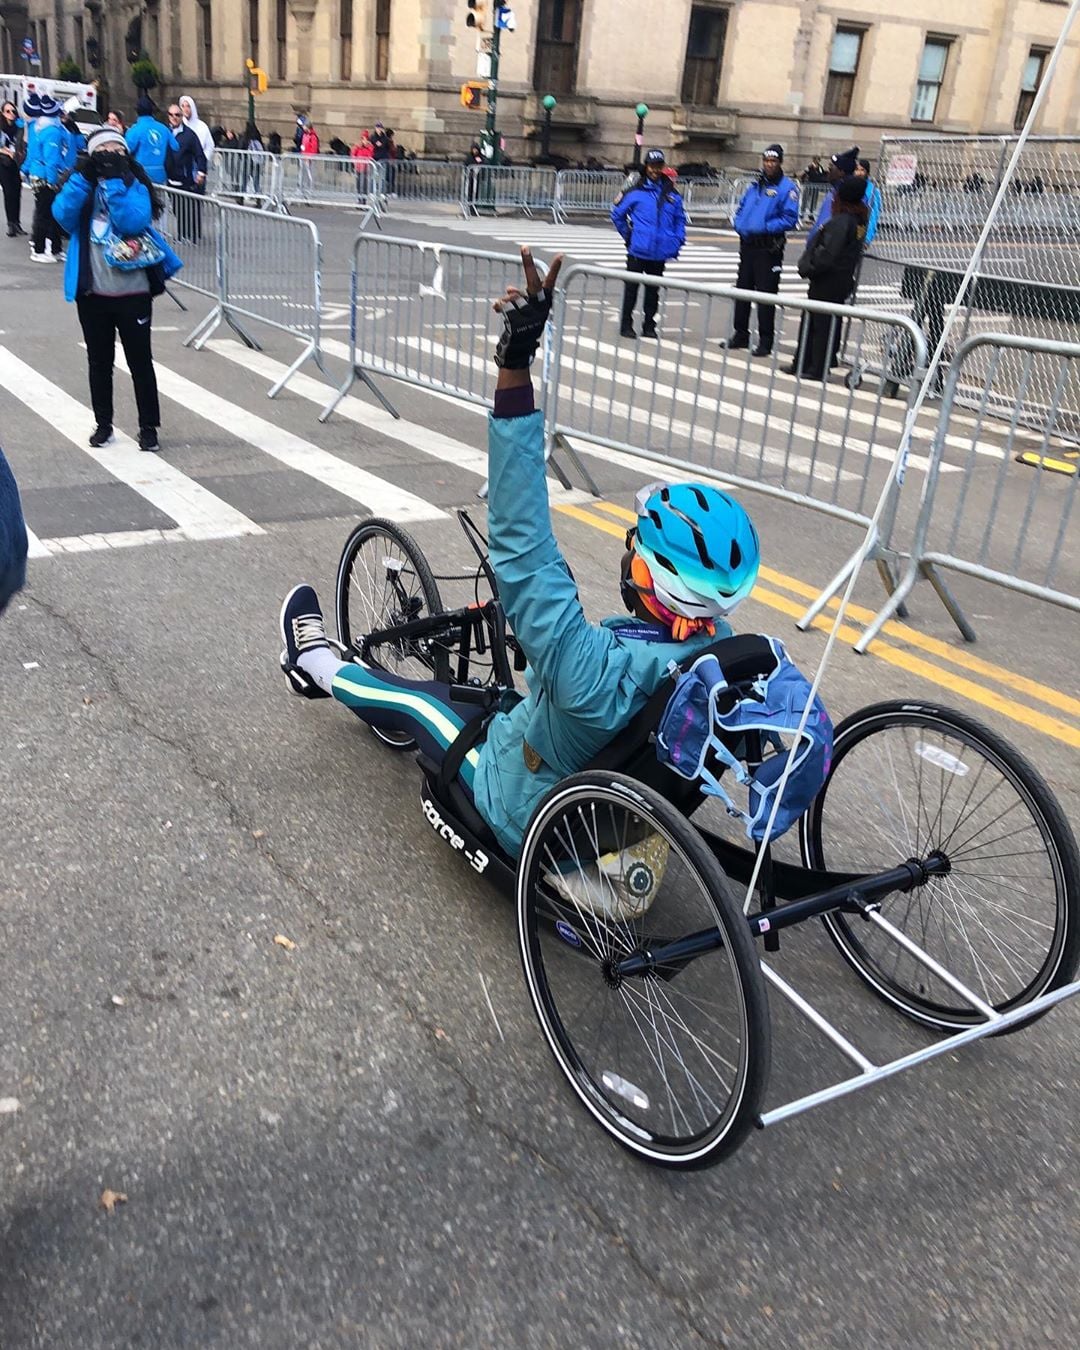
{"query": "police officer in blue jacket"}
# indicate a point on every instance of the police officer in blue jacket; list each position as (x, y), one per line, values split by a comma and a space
(769, 208)
(651, 219)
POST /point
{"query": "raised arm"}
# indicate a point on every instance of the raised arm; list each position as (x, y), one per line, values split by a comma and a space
(535, 585)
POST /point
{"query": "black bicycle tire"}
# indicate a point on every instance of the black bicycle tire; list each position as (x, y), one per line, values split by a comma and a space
(1061, 964)
(531, 914)
(375, 525)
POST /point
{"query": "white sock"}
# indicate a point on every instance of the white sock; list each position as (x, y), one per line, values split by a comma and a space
(322, 664)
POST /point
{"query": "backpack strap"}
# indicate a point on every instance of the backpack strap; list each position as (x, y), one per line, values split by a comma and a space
(743, 658)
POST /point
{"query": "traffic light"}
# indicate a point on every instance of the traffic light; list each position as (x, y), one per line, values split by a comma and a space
(472, 94)
(258, 82)
(477, 15)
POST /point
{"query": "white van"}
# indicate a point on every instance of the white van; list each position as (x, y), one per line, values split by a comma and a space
(17, 87)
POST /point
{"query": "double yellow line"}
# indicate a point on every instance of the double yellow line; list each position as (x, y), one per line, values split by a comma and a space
(904, 651)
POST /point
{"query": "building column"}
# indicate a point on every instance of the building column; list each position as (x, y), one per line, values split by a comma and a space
(303, 11)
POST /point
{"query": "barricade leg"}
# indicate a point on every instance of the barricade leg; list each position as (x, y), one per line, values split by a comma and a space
(204, 328)
(357, 373)
(562, 443)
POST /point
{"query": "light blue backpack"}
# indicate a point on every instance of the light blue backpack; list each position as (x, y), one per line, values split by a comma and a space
(706, 717)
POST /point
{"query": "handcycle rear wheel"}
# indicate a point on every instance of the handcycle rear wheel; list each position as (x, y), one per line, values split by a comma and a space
(384, 580)
(907, 779)
(673, 1063)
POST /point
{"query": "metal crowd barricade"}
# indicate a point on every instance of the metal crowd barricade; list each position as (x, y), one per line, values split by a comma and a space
(493, 188)
(811, 196)
(589, 191)
(713, 198)
(245, 175)
(272, 273)
(192, 225)
(419, 312)
(1006, 517)
(683, 404)
(427, 181)
(333, 180)
(254, 264)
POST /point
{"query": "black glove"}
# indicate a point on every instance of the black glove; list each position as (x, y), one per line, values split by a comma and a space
(524, 317)
(87, 166)
(111, 163)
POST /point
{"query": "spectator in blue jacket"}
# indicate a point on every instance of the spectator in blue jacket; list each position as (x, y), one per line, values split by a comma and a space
(107, 197)
(149, 141)
(650, 217)
(769, 208)
(872, 199)
(46, 152)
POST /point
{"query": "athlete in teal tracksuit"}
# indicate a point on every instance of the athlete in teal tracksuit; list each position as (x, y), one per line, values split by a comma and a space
(585, 681)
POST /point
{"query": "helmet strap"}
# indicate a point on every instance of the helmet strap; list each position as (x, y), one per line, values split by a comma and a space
(637, 582)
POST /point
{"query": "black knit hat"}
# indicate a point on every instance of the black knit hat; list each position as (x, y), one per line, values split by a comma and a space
(851, 189)
(145, 106)
(773, 151)
(847, 159)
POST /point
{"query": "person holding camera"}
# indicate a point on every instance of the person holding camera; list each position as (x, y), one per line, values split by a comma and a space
(116, 264)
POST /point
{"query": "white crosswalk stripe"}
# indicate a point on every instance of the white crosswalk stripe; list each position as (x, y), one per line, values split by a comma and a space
(192, 511)
(601, 246)
(424, 439)
(198, 513)
(382, 497)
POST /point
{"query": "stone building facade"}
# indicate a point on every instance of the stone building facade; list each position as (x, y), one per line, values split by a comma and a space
(720, 77)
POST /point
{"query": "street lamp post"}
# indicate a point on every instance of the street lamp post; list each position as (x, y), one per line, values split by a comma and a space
(641, 111)
(549, 107)
(250, 64)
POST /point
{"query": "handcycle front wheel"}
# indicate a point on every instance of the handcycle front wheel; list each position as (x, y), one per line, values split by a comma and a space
(672, 1063)
(383, 581)
(907, 780)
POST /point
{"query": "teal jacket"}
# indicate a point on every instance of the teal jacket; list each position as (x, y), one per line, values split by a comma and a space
(586, 681)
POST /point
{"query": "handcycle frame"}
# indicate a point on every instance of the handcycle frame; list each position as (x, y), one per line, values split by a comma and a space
(789, 894)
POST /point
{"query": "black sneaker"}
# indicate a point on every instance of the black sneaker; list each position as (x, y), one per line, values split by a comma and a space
(761, 350)
(649, 331)
(734, 344)
(102, 435)
(627, 330)
(148, 439)
(303, 630)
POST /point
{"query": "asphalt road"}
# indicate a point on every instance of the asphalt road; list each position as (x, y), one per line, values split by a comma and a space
(337, 1144)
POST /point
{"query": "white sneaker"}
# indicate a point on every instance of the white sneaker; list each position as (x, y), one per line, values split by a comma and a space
(619, 886)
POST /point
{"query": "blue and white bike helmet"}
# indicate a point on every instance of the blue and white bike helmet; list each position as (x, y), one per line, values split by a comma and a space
(699, 545)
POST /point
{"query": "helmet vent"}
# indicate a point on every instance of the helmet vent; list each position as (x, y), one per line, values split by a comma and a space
(667, 563)
(702, 500)
(736, 554)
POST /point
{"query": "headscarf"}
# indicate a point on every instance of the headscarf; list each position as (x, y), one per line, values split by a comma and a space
(200, 128)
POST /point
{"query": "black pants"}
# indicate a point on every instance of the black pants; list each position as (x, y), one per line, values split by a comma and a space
(102, 317)
(818, 348)
(12, 188)
(44, 225)
(759, 270)
(651, 267)
(189, 214)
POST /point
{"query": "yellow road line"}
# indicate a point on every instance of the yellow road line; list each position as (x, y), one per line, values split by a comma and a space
(885, 651)
(965, 660)
(1045, 462)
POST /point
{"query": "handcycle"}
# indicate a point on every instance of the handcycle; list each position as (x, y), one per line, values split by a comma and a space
(937, 858)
